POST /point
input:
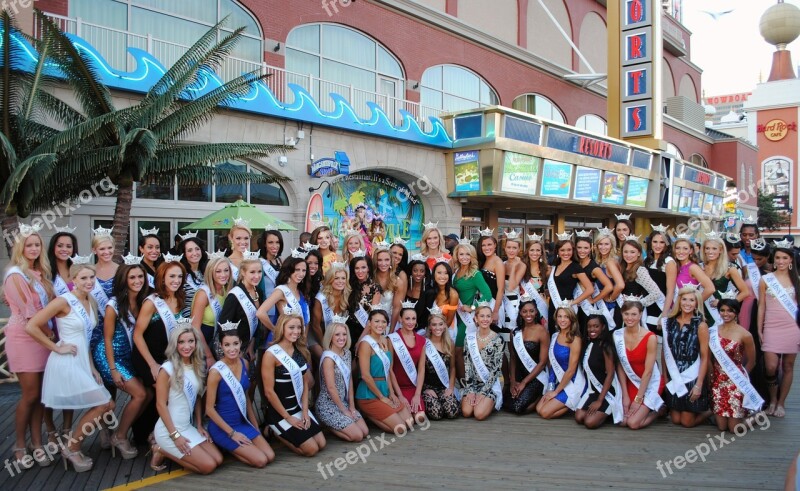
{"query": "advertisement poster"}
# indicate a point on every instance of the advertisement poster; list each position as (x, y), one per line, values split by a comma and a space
(391, 209)
(467, 173)
(556, 179)
(637, 191)
(613, 188)
(676, 197)
(776, 172)
(708, 204)
(520, 173)
(697, 202)
(717, 208)
(587, 184)
(685, 203)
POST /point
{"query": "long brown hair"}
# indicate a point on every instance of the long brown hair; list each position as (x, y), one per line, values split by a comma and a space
(161, 284)
(629, 273)
(278, 333)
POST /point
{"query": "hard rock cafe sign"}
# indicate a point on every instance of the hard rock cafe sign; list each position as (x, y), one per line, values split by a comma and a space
(776, 129)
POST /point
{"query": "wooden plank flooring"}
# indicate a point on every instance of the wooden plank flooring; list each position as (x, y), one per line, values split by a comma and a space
(505, 452)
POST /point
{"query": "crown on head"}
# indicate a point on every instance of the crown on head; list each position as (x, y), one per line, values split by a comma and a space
(749, 220)
(76, 259)
(216, 255)
(377, 306)
(733, 238)
(381, 245)
(713, 235)
(487, 232)
(535, 237)
(564, 304)
(442, 259)
(605, 232)
(409, 304)
(683, 236)
(512, 235)
(102, 232)
(241, 222)
(632, 238)
(252, 256)
(70, 230)
(188, 235)
(623, 216)
(318, 223)
(583, 233)
(758, 244)
(170, 258)
(148, 231)
(728, 295)
(131, 260)
(689, 288)
(351, 232)
(482, 304)
(360, 205)
(631, 298)
(359, 253)
(564, 236)
(660, 228)
(27, 230)
(184, 321)
(288, 309)
(435, 309)
(228, 326)
(464, 241)
(418, 257)
(399, 241)
(339, 319)
(525, 298)
(430, 225)
(783, 244)
(592, 310)
(378, 216)
(338, 265)
(308, 246)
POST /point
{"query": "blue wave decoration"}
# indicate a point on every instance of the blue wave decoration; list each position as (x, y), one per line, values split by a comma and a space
(260, 99)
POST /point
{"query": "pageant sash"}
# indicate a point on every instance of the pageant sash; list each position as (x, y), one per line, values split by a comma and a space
(600, 305)
(37, 286)
(216, 307)
(249, 308)
(293, 302)
(614, 399)
(483, 372)
(60, 286)
(100, 296)
(294, 371)
(541, 305)
(575, 386)
(343, 368)
(128, 326)
(79, 309)
(436, 360)
(404, 356)
(151, 281)
(269, 271)
(525, 358)
(752, 400)
(233, 384)
(376, 348)
(781, 294)
(164, 312)
(362, 315)
(754, 275)
(555, 298)
(466, 318)
(234, 272)
(678, 379)
(327, 311)
(713, 311)
(651, 397)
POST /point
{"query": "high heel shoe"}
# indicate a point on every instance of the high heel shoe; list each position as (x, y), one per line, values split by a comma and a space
(80, 462)
(105, 439)
(22, 462)
(45, 459)
(157, 459)
(126, 450)
(52, 437)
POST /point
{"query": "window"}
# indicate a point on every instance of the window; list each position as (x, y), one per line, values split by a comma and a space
(698, 159)
(453, 88)
(674, 151)
(590, 122)
(538, 105)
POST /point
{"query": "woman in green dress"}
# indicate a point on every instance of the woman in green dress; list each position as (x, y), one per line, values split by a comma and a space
(468, 282)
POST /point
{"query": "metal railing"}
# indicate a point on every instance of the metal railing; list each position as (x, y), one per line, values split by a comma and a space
(112, 44)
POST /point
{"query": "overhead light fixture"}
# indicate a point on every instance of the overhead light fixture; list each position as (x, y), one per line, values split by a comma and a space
(277, 47)
(585, 79)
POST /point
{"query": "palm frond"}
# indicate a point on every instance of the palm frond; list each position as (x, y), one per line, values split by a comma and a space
(195, 176)
(175, 158)
(18, 180)
(7, 151)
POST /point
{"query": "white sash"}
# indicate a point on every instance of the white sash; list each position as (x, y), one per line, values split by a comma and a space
(37, 286)
(614, 400)
(754, 275)
(555, 298)
(216, 307)
(79, 309)
(128, 326)
(541, 305)
(713, 311)
(587, 307)
(164, 312)
(575, 386)
(100, 296)
(752, 400)
(404, 356)
(343, 368)
(525, 358)
(191, 394)
(269, 271)
(151, 281)
(362, 315)
(376, 348)
(781, 294)
(233, 384)
(483, 372)
(466, 318)
(247, 305)
(234, 272)
(436, 360)
(60, 286)
(327, 311)
(678, 379)
(294, 371)
(291, 299)
(651, 397)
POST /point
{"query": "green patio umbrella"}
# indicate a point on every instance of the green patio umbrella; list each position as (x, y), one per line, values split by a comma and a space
(223, 219)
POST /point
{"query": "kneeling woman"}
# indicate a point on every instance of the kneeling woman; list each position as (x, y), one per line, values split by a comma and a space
(638, 372)
(528, 364)
(483, 361)
(375, 395)
(287, 378)
(603, 394)
(440, 369)
(336, 405)
(233, 421)
(566, 375)
(179, 387)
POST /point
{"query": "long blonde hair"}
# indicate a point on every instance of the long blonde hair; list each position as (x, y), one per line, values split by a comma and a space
(278, 333)
(473, 263)
(612, 254)
(423, 244)
(41, 264)
(197, 360)
(688, 290)
(208, 276)
(346, 254)
(391, 285)
(447, 341)
(327, 290)
(722, 265)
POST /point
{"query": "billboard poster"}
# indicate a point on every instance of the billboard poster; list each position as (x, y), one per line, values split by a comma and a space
(520, 173)
(685, 203)
(697, 202)
(467, 171)
(613, 188)
(676, 197)
(556, 179)
(776, 172)
(587, 184)
(637, 191)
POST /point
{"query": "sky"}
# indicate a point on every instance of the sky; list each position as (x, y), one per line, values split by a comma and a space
(730, 50)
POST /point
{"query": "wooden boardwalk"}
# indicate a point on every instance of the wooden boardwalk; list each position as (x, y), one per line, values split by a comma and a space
(505, 452)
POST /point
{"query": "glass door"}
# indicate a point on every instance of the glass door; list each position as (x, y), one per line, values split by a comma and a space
(388, 89)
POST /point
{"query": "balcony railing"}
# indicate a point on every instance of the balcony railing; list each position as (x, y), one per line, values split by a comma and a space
(112, 44)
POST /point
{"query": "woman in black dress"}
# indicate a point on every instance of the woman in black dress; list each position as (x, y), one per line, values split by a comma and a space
(364, 293)
(600, 282)
(663, 270)
(604, 394)
(527, 370)
(565, 275)
(493, 270)
(637, 280)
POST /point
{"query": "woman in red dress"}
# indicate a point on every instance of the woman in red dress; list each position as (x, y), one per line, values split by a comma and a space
(408, 348)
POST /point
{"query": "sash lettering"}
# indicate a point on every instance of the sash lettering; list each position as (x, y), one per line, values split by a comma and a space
(128, 326)
(362, 316)
(233, 384)
(216, 307)
(327, 311)
(575, 385)
(678, 379)
(601, 305)
(404, 356)
(466, 318)
(269, 271)
(781, 294)
(164, 312)
(483, 372)
(247, 306)
(541, 305)
(614, 394)
(79, 309)
(752, 400)
(376, 348)
(235, 272)
(293, 301)
(436, 360)
(555, 298)
(100, 296)
(151, 281)
(651, 397)
(37, 286)
(341, 365)
(60, 286)
(294, 371)
(525, 358)
(755, 277)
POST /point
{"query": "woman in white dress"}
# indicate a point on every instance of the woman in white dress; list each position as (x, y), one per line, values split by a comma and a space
(179, 390)
(70, 379)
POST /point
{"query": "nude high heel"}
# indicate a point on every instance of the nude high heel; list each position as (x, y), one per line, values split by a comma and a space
(80, 462)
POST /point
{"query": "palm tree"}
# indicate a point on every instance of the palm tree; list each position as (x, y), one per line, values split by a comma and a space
(145, 142)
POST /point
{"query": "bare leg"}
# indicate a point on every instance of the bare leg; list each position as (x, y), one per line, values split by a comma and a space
(29, 409)
(771, 361)
(788, 375)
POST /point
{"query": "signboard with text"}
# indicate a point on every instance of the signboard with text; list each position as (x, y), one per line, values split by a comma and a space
(639, 42)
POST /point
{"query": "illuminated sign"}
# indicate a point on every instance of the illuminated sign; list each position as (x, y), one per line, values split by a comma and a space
(637, 78)
(776, 129)
(329, 167)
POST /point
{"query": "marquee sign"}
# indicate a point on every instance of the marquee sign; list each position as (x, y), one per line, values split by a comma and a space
(637, 77)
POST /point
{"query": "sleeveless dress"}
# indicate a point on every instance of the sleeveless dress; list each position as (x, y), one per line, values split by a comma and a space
(492, 356)
(685, 277)
(97, 332)
(121, 344)
(532, 391)
(180, 413)
(327, 410)
(190, 287)
(24, 354)
(68, 380)
(438, 406)
(155, 337)
(285, 392)
(726, 397)
(637, 357)
(597, 364)
(467, 287)
(561, 353)
(370, 405)
(685, 346)
(781, 333)
(565, 284)
(659, 277)
(229, 411)
(407, 386)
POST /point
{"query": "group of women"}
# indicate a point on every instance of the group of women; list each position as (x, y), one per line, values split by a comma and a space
(332, 338)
